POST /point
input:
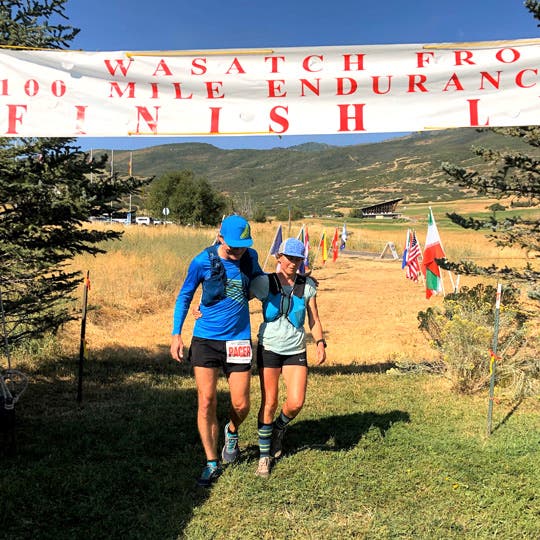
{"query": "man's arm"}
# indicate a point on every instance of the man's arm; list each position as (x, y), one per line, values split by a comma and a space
(181, 307)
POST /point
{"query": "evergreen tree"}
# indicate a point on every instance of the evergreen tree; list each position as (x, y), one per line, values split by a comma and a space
(29, 23)
(48, 188)
(191, 200)
(511, 174)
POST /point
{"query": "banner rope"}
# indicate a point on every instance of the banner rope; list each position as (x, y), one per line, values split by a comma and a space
(482, 44)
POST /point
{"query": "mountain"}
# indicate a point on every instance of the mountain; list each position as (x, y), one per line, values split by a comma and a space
(319, 177)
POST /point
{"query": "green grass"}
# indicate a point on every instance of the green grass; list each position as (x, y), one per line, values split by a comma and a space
(373, 455)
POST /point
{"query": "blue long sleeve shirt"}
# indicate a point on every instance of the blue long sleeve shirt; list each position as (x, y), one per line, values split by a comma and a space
(226, 319)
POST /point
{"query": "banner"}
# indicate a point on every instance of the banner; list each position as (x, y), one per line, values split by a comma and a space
(287, 91)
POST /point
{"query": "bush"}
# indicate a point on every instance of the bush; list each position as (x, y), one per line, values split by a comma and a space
(496, 207)
(294, 212)
(463, 333)
(259, 215)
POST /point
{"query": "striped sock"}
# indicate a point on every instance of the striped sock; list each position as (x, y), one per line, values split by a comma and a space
(265, 436)
(281, 421)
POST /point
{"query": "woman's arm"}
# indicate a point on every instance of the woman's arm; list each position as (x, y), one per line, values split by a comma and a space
(316, 329)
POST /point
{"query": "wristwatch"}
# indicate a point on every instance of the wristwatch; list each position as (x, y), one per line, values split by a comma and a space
(323, 341)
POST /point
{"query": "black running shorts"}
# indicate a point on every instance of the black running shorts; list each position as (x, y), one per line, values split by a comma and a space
(269, 359)
(211, 353)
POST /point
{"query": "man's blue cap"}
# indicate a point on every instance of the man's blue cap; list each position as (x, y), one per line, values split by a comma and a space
(292, 247)
(236, 232)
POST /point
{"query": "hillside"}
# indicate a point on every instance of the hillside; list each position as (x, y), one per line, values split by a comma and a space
(321, 177)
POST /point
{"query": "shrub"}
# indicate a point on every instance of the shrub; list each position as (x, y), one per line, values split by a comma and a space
(496, 207)
(259, 215)
(463, 333)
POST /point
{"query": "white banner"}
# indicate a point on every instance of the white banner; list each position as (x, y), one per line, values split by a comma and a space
(289, 91)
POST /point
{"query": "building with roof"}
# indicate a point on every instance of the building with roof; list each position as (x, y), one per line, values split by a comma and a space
(386, 209)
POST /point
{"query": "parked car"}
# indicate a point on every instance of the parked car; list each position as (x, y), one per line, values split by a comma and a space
(144, 220)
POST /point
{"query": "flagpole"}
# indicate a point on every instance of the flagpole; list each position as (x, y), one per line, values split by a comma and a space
(82, 344)
(318, 248)
(405, 251)
(493, 358)
(91, 165)
(266, 260)
(421, 256)
(289, 230)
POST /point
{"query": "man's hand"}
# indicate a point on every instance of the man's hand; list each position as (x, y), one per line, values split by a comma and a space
(177, 348)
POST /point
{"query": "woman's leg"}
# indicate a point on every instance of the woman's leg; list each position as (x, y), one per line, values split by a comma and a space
(295, 378)
(269, 379)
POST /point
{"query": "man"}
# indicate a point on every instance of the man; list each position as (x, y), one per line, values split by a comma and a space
(221, 336)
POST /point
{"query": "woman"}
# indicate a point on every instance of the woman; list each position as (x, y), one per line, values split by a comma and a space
(286, 297)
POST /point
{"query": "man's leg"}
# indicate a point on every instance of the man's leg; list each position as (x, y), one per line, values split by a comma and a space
(239, 391)
(206, 379)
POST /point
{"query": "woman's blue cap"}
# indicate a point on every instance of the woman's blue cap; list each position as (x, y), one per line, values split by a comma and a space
(292, 247)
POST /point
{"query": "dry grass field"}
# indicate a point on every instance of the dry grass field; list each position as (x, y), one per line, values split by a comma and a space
(367, 306)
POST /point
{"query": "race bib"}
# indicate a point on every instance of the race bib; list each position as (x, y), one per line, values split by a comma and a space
(239, 351)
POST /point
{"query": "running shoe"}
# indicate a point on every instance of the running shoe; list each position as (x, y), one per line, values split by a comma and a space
(209, 475)
(276, 449)
(265, 465)
(230, 451)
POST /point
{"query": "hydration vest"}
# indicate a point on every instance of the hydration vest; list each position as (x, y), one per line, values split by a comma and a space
(213, 288)
(273, 306)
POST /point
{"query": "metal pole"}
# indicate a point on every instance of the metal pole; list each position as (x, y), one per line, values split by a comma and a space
(82, 346)
(493, 359)
(289, 229)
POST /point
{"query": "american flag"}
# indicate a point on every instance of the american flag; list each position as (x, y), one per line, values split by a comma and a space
(412, 269)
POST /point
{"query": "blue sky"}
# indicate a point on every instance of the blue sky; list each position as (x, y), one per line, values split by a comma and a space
(111, 25)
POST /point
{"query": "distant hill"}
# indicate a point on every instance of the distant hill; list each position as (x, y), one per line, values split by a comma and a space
(319, 177)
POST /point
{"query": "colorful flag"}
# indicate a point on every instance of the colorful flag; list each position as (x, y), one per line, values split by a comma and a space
(274, 248)
(323, 245)
(335, 245)
(405, 250)
(412, 270)
(432, 250)
(344, 237)
(304, 237)
(278, 238)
